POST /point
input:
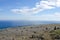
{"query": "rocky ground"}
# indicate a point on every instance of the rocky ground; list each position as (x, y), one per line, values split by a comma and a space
(39, 32)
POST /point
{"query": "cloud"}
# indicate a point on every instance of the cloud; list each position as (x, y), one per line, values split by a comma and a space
(46, 17)
(39, 6)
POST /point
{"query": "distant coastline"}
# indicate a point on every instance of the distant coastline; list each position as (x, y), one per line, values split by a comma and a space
(7, 24)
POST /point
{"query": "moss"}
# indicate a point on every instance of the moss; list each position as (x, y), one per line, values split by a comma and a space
(55, 31)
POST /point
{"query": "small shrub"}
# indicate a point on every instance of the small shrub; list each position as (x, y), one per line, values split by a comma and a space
(34, 32)
(55, 28)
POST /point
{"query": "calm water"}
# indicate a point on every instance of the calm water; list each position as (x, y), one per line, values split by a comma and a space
(6, 24)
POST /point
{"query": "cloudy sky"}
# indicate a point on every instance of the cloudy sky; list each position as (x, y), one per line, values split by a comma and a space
(43, 10)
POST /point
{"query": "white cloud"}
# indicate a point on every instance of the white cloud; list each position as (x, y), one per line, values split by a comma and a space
(58, 3)
(40, 6)
(47, 17)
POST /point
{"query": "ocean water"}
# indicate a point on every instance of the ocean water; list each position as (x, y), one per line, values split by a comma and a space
(6, 24)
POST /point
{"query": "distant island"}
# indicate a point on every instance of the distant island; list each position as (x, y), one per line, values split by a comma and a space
(39, 32)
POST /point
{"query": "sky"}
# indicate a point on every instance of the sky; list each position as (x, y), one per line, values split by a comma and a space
(34, 10)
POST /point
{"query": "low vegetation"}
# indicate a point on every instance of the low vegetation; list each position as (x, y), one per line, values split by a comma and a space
(41, 32)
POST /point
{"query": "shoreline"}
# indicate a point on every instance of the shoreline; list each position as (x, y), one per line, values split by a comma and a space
(26, 32)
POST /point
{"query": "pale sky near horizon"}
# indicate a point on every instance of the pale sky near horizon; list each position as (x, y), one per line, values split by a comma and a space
(43, 10)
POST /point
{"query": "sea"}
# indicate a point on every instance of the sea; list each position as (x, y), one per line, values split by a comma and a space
(7, 24)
